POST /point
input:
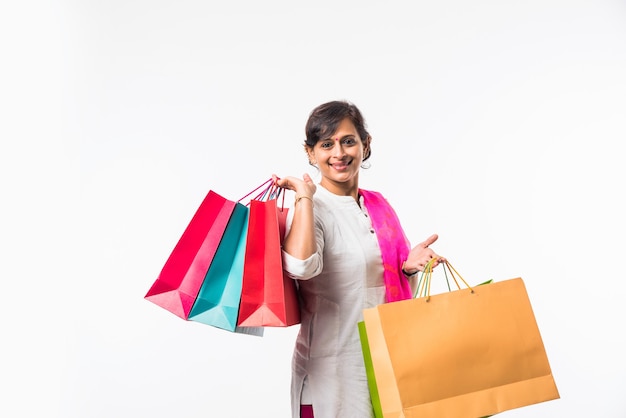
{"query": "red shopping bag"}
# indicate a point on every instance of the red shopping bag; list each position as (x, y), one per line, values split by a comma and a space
(268, 296)
(177, 286)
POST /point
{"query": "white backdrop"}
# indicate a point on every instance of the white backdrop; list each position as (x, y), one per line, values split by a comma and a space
(496, 124)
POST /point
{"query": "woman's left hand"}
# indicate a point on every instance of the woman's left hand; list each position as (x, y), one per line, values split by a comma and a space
(420, 255)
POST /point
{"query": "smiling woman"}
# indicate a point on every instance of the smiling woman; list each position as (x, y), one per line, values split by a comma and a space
(339, 157)
(346, 250)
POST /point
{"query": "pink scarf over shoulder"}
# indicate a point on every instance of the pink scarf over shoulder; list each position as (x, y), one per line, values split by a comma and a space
(393, 243)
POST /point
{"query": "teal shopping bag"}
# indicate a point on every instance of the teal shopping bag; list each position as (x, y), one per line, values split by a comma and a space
(217, 303)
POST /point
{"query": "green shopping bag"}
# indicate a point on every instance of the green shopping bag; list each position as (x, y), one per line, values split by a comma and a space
(369, 368)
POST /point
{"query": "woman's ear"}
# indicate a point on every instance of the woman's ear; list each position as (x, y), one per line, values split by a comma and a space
(366, 147)
(310, 154)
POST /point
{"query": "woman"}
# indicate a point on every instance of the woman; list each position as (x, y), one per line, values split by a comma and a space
(347, 251)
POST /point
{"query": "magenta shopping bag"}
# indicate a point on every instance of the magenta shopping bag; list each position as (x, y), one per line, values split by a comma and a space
(179, 282)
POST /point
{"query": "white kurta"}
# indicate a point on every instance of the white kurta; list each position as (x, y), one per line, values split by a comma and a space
(341, 279)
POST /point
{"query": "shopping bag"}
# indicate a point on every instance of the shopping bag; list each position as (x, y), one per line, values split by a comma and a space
(470, 352)
(367, 355)
(369, 368)
(180, 279)
(217, 303)
(268, 296)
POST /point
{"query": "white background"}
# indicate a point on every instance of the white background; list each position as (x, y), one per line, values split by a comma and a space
(498, 125)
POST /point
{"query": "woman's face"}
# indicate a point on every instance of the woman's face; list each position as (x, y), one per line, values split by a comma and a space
(339, 158)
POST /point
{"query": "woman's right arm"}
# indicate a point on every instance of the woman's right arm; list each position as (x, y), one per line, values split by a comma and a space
(300, 241)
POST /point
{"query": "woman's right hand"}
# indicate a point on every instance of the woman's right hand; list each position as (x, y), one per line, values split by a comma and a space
(300, 240)
(302, 187)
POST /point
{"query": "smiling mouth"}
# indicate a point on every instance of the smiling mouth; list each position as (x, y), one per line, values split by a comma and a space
(341, 165)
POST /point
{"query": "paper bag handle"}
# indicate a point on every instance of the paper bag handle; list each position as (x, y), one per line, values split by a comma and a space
(257, 188)
(423, 284)
(270, 192)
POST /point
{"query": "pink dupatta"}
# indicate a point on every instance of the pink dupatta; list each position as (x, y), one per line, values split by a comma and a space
(393, 243)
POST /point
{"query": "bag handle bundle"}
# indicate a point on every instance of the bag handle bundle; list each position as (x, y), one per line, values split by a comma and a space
(423, 284)
(269, 191)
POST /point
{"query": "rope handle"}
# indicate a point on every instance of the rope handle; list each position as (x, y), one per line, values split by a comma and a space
(423, 284)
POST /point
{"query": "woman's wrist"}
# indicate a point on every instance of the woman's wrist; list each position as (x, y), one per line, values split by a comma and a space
(407, 271)
(300, 197)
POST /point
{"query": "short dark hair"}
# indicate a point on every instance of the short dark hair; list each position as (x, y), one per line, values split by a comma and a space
(325, 119)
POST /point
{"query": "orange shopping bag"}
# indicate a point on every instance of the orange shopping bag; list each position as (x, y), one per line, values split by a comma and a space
(471, 352)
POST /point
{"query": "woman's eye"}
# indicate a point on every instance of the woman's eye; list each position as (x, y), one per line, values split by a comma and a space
(326, 145)
(349, 141)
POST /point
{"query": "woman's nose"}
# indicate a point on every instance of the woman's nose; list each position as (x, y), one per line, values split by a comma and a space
(338, 150)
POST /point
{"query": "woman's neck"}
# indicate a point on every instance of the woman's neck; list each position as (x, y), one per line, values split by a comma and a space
(350, 188)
